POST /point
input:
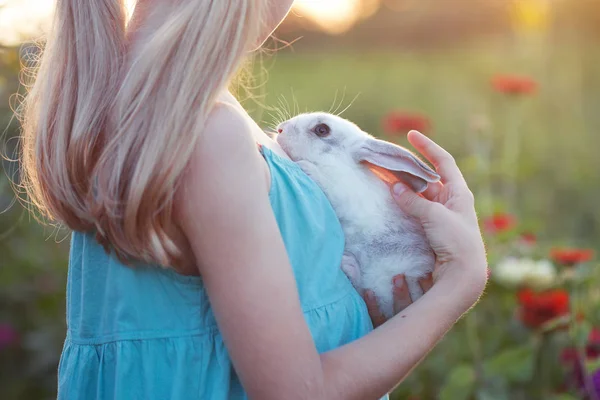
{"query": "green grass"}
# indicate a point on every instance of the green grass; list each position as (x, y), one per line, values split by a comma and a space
(556, 129)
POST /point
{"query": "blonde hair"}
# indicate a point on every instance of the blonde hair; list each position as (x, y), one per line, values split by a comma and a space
(107, 130)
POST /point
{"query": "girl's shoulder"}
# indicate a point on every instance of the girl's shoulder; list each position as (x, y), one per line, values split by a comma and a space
(227, 131)
(225, 172)
(225, 151)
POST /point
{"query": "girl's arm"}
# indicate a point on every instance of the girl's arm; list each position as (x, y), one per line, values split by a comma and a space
(223, 208)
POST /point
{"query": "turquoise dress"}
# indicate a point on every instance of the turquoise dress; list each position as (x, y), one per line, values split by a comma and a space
(149, 333)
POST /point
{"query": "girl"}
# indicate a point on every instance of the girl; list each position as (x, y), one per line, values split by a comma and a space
(133, 141)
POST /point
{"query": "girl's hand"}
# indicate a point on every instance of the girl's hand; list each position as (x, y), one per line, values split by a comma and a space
(447, 212)
(402, 298)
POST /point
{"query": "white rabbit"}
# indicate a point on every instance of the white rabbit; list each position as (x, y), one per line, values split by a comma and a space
(354, 169)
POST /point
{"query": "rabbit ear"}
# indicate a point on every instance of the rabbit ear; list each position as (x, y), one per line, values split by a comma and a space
(391, 158)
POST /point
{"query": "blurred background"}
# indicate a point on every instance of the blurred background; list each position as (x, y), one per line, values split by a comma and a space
(510, 87)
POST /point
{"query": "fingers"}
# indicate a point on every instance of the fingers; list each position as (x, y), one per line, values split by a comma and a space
(440, 158)
(433, 190)
(401, 295)
(427, 282)
(410, 202)
(376, 316)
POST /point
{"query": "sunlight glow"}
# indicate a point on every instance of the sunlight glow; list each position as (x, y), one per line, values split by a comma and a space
(24, 18)
(29, 18)
(334, 16)
(130, 5)
(531, 15)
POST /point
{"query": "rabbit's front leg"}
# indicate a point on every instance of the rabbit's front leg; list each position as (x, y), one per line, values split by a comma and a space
(309, 169)
(351, 268)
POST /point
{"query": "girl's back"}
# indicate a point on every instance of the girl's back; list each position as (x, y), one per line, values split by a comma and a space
(150, 331)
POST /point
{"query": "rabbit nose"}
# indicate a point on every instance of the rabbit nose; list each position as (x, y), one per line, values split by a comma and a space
(286, 127)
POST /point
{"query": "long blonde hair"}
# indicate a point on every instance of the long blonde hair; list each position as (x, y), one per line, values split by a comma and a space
(107, 130)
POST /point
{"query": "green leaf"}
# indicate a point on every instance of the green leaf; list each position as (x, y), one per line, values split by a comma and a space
(459, 383)
(556, 323)
(497, 393)
(515, 365)
(592, 365)
(563, 396)
(580, 333)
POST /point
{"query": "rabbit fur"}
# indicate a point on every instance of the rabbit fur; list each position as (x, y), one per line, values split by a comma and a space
(354, 170)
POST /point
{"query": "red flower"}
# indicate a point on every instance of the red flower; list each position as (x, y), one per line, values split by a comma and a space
(592, 349)
(528, 238)
(594, 338)
(8, 336)
(500, 222)
(400, 122)
(571, 256)
(539, 308)
(514, 85)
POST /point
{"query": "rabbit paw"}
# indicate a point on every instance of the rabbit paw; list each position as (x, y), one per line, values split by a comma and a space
(309, 168)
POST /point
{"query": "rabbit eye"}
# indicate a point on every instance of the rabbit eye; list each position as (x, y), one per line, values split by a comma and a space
(322, 130)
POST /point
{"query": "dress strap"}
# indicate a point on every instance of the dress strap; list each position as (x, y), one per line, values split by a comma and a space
(261, 148)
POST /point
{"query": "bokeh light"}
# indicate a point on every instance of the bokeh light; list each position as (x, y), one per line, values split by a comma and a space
(334, 16)
(26, 18)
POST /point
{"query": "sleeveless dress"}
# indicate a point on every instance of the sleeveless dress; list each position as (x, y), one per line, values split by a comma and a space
(149, 333)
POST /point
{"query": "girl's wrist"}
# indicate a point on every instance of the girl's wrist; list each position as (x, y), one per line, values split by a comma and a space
(460, 285)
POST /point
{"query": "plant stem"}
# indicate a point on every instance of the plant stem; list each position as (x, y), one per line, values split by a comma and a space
(538, 377)
(485, 155)
(511, 155)
(580, 348)
(475, 345)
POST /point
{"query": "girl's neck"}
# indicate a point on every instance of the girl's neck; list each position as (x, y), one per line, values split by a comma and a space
(259, 135)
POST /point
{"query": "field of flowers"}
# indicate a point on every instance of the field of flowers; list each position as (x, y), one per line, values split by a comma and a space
(521, 118)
